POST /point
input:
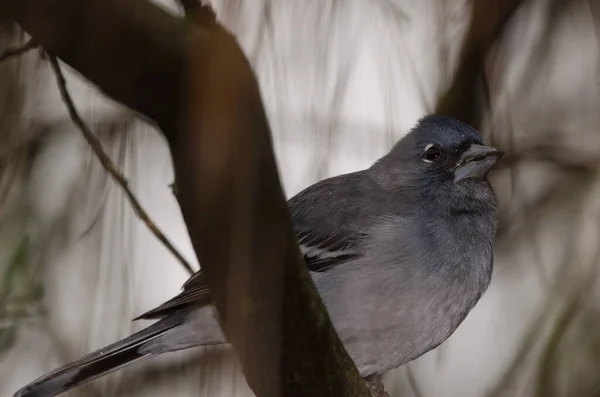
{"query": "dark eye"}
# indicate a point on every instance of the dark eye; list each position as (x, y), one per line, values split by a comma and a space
(431, 153)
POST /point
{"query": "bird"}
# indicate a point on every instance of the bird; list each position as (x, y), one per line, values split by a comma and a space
(400, 253)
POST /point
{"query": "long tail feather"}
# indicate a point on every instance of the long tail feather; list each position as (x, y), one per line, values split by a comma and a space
(99, 362)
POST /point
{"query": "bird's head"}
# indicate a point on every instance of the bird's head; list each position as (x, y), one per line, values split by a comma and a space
(448, 149)
(443, 156)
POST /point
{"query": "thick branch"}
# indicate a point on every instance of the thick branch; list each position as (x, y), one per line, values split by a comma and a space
(15, 51)
(197, 84)
(133, 50)
(488, 19)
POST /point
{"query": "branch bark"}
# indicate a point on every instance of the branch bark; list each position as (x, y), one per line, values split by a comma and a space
(194, 81)
(15, 51)
(488, 20)
(112, 169)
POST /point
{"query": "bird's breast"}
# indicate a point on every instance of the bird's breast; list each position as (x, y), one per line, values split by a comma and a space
(407, 294)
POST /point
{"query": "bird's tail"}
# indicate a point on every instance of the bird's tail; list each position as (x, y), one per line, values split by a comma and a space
(99, 362)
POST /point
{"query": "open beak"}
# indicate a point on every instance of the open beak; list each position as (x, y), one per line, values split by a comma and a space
(476, 162)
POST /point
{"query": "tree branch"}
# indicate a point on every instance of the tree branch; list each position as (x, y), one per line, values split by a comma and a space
(195, 82)
(14, 51)
(111, 168)
(488, 19)
(111, 43)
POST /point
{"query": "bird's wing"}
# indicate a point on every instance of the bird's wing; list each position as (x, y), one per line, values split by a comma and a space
(330, 219)
(322, 251)
(195, 292)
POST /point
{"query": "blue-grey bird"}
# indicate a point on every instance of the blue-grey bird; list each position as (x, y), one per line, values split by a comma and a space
(400, 253)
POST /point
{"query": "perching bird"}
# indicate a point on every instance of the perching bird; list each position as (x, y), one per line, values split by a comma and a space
(400, 253)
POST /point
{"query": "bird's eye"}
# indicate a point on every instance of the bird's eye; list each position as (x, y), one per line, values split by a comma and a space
(431, 153)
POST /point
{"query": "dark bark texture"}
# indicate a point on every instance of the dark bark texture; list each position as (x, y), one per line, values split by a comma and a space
(192, 79)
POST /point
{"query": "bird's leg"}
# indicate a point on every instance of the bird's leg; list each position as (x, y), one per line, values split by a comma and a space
(376, 386)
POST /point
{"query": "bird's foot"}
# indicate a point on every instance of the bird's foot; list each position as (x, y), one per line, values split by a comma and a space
(376, 389)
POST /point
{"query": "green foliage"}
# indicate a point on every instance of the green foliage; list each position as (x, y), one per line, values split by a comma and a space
(18, 282)
(8, 336)
(20, 290)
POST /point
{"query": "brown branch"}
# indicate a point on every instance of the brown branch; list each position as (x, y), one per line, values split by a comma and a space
(14, 51)
(195, 10)
(190, 6)
(195, 82)
(110, 43)
(111, 168)
(488, 19)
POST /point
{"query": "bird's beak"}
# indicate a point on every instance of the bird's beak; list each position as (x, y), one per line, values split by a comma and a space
(476, 162)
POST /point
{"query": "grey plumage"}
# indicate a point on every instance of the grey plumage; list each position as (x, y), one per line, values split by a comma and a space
(400, 253)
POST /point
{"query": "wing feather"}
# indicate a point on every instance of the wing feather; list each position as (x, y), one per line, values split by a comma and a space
(328, 235)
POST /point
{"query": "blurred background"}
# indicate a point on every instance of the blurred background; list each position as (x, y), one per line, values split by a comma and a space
(341, 82)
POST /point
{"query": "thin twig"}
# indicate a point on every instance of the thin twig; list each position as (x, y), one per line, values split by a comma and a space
(110, 167)
(14, 51)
